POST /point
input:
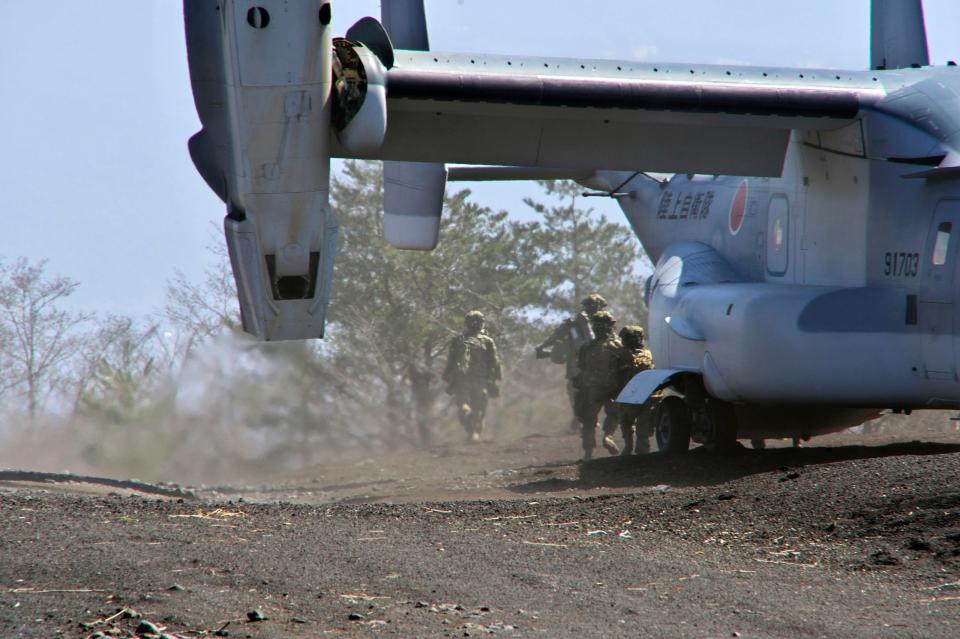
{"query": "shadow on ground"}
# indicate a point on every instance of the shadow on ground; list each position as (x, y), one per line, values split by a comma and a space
(701, 467)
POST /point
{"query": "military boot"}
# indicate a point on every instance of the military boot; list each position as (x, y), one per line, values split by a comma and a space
(587, 454)
(610, 445)
(472, 435)
(627, 445)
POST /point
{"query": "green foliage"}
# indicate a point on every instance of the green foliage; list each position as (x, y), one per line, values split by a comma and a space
(393, 310)
(203, 396)
(406, 304)
(120, 379)
(581, 252)
(201, 310)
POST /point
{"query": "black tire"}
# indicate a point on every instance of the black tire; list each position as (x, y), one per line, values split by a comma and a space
(672, 426)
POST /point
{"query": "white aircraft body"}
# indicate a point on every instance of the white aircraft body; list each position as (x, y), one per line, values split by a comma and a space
(806, 250)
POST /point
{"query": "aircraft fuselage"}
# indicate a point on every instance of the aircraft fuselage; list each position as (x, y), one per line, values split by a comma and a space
(832, 285)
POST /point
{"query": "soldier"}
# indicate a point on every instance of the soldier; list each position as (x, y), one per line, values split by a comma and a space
(565, 342)
(635, 421)
(472, 373)
(597, 384)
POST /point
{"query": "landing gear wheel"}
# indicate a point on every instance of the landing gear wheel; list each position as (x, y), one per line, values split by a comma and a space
(672, 426)
(758, 444)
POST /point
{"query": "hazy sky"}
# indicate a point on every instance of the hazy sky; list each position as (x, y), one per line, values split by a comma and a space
(96, 109)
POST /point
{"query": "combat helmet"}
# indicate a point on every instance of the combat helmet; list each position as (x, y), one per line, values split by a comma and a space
(632, 336)
(593, 303)
(602, 319)
(473, 320)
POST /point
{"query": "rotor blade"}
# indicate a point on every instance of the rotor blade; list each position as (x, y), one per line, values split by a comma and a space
(412, 191)
(406, 22)
(898, 38)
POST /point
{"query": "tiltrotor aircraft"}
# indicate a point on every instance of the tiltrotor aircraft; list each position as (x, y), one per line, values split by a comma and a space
(809, 293)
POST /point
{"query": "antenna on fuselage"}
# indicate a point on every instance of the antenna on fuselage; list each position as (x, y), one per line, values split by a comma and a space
(898, 36)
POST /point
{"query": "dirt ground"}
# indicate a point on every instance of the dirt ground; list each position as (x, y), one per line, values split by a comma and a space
(853, 535)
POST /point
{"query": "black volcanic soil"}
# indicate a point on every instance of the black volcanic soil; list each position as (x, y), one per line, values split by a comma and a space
(858, 536)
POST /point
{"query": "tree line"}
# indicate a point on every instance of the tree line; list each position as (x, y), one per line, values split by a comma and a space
(138, 394)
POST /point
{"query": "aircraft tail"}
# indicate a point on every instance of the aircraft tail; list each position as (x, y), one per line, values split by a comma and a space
(898, 37)
(412, 191)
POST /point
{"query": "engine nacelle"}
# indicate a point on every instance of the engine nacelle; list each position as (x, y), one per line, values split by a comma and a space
(360, 97)
(262, 75)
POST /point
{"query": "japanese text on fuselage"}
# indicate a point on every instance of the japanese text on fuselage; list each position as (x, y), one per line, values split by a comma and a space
(689, 206)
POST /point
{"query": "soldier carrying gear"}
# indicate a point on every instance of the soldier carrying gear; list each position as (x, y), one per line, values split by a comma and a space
(472, 373)
(597, 384)
(565, 342)
(635, 421)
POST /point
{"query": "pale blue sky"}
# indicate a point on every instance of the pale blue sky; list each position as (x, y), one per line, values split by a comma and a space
(96, 109)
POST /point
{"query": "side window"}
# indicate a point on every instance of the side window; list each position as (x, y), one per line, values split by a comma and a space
(941, 246)
(778, 235)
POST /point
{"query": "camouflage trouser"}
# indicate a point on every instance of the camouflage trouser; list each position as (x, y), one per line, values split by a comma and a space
(590, 401)
(471, 402)
(636, 423)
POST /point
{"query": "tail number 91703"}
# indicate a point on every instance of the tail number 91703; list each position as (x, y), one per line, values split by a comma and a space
(901, 264)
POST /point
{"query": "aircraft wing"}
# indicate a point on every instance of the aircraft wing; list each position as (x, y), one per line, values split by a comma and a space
(278, 96)
(503, 110)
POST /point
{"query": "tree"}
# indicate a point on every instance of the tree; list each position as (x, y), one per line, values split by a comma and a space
(285, 392)
(119, 376)
(200, 310)
(394, 311)
(306, 405)
(40, 337)
(582, 253)
(391, 317)
(124, 399)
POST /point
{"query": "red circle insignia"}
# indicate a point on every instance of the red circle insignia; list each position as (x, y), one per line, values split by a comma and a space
(738, 208)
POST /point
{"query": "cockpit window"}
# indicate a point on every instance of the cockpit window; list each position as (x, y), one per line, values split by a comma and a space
(943, 244)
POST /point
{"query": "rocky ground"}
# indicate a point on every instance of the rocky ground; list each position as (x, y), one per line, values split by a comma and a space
(855, 536)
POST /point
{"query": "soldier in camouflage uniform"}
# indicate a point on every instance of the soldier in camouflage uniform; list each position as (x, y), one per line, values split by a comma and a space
(565, 342)
(472, 373)
(635, 421)
(597, 384)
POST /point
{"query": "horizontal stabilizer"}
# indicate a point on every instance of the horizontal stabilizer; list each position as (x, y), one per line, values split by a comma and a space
(262, 81)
